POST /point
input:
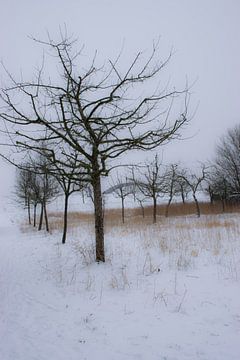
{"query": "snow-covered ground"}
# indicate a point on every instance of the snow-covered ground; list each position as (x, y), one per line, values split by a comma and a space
(167, 291)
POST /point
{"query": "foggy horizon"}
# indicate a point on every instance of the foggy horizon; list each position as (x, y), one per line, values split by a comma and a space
(204, 38)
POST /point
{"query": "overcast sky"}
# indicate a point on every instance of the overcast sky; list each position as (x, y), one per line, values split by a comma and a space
(205, 36)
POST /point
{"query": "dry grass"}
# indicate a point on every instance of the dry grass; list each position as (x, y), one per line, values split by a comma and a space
(189, 208)
(74, 219)
(133, 217)
(209, 223)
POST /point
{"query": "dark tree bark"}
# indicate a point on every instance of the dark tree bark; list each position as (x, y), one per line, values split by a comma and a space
(168, 205)
(65, 219)
(154, 209)
(34, 214)
(45, 215)
(99, 225)
(123, 210)
(29, 210)
(41, 217)
(98, 212)
(197, 205)
(142, 208)
(183, 197)
(211, 195)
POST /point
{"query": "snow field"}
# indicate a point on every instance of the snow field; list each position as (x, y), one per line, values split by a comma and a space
(167, 291)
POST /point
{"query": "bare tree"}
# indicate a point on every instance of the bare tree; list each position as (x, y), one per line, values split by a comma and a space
(67, 173)
(35, 186)
(150, 182)
(101, 112)
(219, 188)
(23, 189)
(35, 195)
(140, 198)
(227, 161)
(69, 184)
(194, 181)
(170, 184)
(44, 186)
(182, 186)
(121, 188)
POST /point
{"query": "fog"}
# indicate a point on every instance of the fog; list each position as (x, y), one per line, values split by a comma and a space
(204, 36)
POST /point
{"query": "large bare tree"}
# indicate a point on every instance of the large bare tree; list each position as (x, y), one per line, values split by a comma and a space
(99, 111)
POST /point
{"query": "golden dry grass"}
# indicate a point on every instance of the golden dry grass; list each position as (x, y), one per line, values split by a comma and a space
(189, 208)
(134, 216)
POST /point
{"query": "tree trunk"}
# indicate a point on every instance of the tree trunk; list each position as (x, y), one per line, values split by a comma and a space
(183, 197)
(168, 205)
(210, 192)
(123, 215)
(45, 215)
(197, 205)
(65, 219)
(98, 214)
(29, 211)
(142, 207)
(34, 214)
(41, 218)
(154, 210)
(223, 204)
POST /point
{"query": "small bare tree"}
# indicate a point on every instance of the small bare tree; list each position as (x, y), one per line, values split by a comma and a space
(219, 188)
(23, 189)
(194, 181)
(170, 184)
(36, 186)
(44, 186)
(182, 187)
(35, 196)
(69, 178)
(140, 198)
(150, 182)
(121, 188)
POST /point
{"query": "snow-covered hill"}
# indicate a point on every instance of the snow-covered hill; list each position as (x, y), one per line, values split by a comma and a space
(169, 291)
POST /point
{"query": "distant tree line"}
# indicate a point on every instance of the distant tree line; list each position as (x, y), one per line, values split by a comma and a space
(220, 178)
(154, 180)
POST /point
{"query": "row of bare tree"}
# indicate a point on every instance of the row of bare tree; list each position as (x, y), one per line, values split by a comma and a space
(220, 178)
(154, 180)
(33, 189)
(38, 183)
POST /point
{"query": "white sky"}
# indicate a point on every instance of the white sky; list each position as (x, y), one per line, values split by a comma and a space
(204, 34)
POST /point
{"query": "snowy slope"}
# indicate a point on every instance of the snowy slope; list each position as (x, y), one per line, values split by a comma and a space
(169, 291)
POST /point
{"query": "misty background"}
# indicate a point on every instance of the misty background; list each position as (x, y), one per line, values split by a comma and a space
(204, 37)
